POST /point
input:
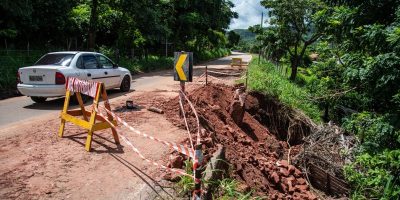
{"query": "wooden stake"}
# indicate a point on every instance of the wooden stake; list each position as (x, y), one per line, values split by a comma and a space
(206, 74)
(181, 97)
(197, 172)
(247, 78)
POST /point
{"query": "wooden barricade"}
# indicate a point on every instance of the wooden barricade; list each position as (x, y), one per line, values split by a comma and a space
(88, 120)
(237, 62)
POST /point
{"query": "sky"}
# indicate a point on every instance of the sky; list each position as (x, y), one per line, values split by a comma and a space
(249, 13)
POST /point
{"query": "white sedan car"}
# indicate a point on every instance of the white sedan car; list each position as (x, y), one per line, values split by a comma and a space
(47, 77)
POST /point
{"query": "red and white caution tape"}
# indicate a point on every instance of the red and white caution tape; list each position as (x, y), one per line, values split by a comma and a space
(180, 148)
(129, 143)
(186, 123)
(218, 79)
(197, 117)
(223, 73)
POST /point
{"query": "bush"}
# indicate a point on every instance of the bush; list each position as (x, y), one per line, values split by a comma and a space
(10, 62)
(150, 63)
(375, 173)
(206, 55)
(375, 176)
(374, 132)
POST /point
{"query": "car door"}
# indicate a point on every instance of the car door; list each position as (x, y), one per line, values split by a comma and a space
(92, 69)
(112, 76)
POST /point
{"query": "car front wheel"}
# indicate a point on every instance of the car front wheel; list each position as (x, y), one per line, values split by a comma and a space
(125, 84)
(39, 99)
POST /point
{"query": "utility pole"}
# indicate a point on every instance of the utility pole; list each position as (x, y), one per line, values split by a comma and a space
(166, 45)
(261, 25)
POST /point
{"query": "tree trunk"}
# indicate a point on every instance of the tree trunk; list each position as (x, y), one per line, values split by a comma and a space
(294, 64)
(28, 48)
(325, 117)
(93, 25)
(5, 43)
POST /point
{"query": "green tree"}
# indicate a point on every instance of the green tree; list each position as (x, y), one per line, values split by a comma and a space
(294, 25)
(233, 38)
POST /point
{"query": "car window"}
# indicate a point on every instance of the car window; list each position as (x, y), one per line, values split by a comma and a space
(79, 63)
(105, 62)
(89, 61)
(55, 59)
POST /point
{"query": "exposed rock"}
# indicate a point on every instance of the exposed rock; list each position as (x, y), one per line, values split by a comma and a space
(175, 161)
(284, 172)
(215, 169)
(301, 181)
(291, 169)
(301, 188)
(297, 173)
(237, 108)
(282, 163)
(173, 177)
(275, 177)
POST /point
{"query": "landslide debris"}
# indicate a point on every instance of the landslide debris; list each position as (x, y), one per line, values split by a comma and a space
(258, 148)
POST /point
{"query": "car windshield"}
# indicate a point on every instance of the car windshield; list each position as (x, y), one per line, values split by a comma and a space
(55, 59)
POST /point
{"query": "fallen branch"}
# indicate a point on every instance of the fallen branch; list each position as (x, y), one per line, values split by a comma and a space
(156, 110)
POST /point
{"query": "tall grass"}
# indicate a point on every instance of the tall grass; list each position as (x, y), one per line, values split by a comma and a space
(265, 78)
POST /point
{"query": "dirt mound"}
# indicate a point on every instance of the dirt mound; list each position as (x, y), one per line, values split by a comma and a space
(257, 154)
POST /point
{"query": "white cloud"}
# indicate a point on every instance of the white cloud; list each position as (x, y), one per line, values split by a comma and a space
(249, 13)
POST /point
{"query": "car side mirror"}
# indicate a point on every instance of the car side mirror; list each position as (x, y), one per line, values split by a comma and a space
(115, 66)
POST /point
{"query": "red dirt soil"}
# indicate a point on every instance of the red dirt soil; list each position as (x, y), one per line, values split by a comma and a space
(255, 155)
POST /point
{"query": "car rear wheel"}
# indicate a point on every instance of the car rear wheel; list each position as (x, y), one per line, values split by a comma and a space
(39, 99)
(125, 84)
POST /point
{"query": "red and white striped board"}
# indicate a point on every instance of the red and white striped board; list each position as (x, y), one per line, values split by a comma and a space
(84, 87)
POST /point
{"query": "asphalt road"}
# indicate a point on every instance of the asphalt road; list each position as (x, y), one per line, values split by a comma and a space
(22, 109)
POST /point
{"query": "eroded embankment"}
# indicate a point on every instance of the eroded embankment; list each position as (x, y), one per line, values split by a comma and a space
(258, 149)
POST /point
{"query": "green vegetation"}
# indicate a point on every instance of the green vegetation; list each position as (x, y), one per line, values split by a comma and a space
(354, 77)
(245, 35)
(246, 41)
(375, 172)
(227, 189)
(10, 61)
(211, 54)
(266, 78)
(186, 183)
(140, 35)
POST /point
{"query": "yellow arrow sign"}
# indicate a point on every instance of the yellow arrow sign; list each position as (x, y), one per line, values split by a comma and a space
(179, 66)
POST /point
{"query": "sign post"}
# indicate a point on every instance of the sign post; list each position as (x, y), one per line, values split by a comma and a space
(183, 66)
(183, 70)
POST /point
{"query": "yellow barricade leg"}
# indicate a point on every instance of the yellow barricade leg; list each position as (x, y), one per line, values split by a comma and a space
(93, 118)
(90, 133)
(110, 117)
(65, 108)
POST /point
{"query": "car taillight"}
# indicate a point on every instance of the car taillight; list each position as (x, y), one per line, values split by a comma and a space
(60, 78)
(18, 78)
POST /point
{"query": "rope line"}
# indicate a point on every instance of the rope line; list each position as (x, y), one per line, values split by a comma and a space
(197, 117)
(222, 73)
(180, 148)
(186, 123)
(129, 143)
